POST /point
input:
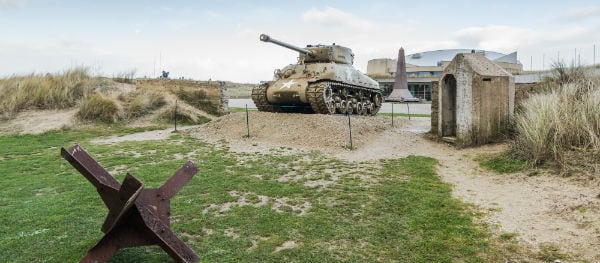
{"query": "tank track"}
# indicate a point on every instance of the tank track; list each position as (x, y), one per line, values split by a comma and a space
(259, 96)
(328, 97)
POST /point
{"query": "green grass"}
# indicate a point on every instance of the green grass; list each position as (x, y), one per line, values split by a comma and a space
(234, 109)
(405, 115)
(502, 163)
(393, 210)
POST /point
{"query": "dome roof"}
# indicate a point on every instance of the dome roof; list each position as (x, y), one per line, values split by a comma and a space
(433, 58)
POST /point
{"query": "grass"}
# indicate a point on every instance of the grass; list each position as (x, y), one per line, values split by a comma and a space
(236, 109)
(99, 107)
(405, 115)
(561, 127)
(48, 91)
(501, 163)
(393, 210)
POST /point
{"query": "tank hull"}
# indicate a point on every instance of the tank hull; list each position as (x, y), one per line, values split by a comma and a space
(325, 88)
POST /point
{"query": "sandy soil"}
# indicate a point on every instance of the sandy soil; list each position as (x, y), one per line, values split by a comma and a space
(36, 122)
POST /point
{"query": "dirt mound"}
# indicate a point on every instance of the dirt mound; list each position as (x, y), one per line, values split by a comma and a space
(302, 131)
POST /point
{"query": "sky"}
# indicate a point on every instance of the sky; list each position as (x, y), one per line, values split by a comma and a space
(219, 40)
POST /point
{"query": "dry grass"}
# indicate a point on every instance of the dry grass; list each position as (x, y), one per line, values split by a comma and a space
(561, 126)
(99, 107)
(184, 115)
(47, 91)
(204, 99)
(141, 102)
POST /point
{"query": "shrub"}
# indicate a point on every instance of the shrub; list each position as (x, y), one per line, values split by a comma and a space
(184, 116)
(203, 99)
(98, 107)
(561, 126)
(141, 102)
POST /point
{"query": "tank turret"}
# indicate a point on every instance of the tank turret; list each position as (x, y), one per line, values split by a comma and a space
(317, 53)
(323, 81)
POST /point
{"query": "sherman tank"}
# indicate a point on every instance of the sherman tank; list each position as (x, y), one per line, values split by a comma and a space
(322, 81)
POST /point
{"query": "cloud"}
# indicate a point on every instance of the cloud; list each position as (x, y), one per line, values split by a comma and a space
(11, 4)
(334, 17)
(497, 38)
(579, 14)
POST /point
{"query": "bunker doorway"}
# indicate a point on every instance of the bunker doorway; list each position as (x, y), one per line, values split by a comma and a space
(449, 106)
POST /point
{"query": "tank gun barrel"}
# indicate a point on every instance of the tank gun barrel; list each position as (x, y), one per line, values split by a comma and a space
(266, 38)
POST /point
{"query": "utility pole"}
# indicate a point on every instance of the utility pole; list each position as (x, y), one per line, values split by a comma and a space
(594, 54)
(531, 64)
(543, 61)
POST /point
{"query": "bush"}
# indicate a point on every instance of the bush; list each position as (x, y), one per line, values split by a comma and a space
(141, 102)
(48, 91)
(206, 100)
(563, 125)
(184, 116)
(98, 107)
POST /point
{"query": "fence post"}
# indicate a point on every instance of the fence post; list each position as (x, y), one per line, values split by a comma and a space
(350, 129)
(392, 114)
(408, 107)
(247, 122)
(175, 115)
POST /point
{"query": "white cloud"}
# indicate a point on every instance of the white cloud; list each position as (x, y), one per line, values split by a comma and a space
(10, 4)
(497, 38)
(334, 17)
(579, 14)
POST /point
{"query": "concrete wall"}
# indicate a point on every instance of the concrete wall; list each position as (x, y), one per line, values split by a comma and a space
(434, 106)
(381, 67)
(483, 104)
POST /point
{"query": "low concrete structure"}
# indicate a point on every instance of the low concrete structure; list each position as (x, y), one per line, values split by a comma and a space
(475, 101)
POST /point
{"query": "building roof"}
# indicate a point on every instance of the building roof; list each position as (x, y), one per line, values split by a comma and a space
(477, 63)
(433, 58)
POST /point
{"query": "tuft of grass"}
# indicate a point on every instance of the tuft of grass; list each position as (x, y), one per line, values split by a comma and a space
(47, 91)
(125, 77)
(502, 163)
(184, 116)
(206, 99)
(141, 102)
(561, 127)
(98, 107)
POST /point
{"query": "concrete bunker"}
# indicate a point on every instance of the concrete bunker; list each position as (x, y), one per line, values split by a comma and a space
(475, 101)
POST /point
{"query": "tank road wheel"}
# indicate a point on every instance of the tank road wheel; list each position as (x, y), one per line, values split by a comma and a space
(359, 108)
(321, 98)
(343, 107)
(377, 101)
(370, 108)
(329, 100)
(364, 108)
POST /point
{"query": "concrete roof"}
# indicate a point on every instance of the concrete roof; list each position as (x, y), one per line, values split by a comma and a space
(431, 58)
(479, 64)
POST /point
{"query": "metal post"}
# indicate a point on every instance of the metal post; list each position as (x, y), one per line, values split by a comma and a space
(408, 107)
(247, 122)
(350, 129)
(175, 115)
(392, 114)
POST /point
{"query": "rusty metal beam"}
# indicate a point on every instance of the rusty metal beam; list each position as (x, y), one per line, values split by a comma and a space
(137, 216)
